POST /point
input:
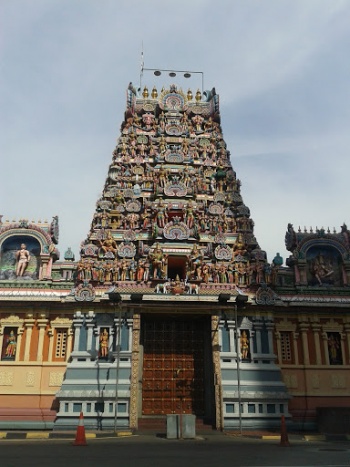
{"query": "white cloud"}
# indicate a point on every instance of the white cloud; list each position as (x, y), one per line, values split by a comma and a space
(279, 66)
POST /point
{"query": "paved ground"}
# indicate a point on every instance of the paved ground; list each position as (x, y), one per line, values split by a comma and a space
(150, 450)
(264, 435)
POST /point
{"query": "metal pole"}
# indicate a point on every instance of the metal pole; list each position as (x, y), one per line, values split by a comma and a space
(238, 373)
(117, 369)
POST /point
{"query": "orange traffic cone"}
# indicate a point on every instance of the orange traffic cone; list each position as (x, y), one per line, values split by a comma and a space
(284, 435)
(80, 439)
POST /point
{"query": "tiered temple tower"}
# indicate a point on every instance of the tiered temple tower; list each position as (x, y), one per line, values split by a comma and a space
(172, 238)
(172, 307)
(171, 215)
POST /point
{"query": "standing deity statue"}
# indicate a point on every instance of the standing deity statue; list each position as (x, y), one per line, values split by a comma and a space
(22, 258)
(104, 344)
(195, 263)
(158, 261)
(161, 214)
(189, 214)
(162, 176)
(244, 341)
(11, 347)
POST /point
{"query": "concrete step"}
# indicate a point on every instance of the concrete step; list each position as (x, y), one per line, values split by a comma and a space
(155, 423)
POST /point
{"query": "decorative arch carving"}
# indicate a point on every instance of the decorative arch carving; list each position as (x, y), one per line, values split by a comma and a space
(84, 293)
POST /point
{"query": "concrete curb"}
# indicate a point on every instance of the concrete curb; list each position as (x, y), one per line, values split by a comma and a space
(292, 436)
(61, 435)
(70, 435)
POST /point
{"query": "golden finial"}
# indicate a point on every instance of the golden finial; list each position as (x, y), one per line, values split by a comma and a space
(189, 95)
(154, 93)
(198, 95)
(145, 92)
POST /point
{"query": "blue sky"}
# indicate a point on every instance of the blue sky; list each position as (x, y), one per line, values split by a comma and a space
(280, 67)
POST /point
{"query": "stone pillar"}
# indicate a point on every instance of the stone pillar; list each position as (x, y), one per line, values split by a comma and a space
(45, 268)
(346, 272)
(41, 323)
(129, 325)
(118, 332)
(217, 372)
(231, 335)
(69, 343)
(325, 346)
(342, 343)
(49, 268)
(295, 347)
(270, 326)
(302, 271)
(135, 389)
(97, 340)
(304, 326)
(28, 324)
(258, 324)
(77, 322)
(90, 323)
(251, 343)
(2, 340)
(347, 332)
(279, 349)
(316, 327)
(51, 339)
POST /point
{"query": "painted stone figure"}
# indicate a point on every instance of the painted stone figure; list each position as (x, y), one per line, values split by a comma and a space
(158, 260)
(321, 268)
(11, 347)
(189, 215)
(140, 270)
(22, 258)
(244, 342)
(196, 256)
(104, 337)
(161, 214)
(334, 349)
(109, 244)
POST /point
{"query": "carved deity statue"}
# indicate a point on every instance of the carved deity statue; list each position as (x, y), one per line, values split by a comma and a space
(109, 244)
(244, 342)
(11, 347)
(104, 336)
(158, 261)
(23, 258)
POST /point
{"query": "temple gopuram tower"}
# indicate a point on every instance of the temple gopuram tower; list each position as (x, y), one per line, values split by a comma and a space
(166, 279)
(171, 311)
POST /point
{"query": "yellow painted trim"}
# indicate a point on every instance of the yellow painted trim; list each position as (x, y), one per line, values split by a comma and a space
(90, 435)
(124, 433)
(275, 437)
(37, 435)
(3, 434)
(315, 437)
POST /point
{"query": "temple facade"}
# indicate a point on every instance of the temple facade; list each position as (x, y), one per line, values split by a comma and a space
(172, 306)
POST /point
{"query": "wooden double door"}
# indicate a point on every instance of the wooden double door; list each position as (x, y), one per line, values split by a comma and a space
(175, 350)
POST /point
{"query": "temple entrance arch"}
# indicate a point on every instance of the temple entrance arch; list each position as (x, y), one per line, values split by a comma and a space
(177, 365)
